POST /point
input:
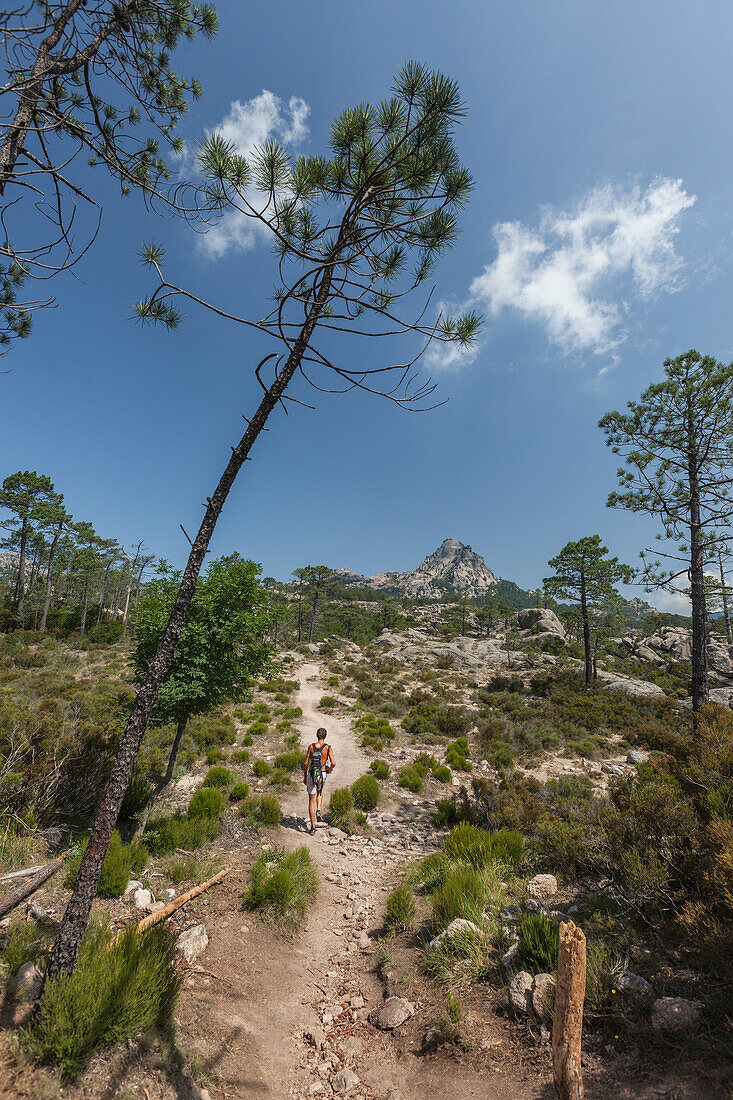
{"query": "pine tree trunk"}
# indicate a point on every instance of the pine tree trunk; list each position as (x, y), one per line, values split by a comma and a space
(724, 597)
(84, 601)
(65, 950)
(700, 689)
(586, 633)
(313, 618)
(20, 587)
(160, 787)
(49, 574)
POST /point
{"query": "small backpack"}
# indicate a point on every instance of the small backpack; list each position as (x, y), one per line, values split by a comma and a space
(316, 764)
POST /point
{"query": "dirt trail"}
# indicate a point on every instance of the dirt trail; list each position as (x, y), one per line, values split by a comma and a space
(247, 1015)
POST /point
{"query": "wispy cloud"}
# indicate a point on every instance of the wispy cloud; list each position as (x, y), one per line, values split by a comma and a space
(247, 125)
(577, 273)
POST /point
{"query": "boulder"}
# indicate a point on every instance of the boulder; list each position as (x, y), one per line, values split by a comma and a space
(520, 992)
(392, 1014)
(675, 1014)
(457, 925)
(614, 681)
(542, 886)
(636, 756)
(540, 620)
(511, 958)
(634, 983)
(316, 1036)
(510, 913)
(193, 942)
(142, 898)
(131, 887)
(28, 981)
(543, 996)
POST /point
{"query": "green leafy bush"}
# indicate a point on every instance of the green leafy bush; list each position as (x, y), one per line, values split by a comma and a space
(478, 847)
(247, 740)
(240, 756)
(328, 702)
(257, 729)
(217, 777)
(539, 939)
(442, 774)
(117, 990)
(341, 809)
(448, 812)
(214, 755)
(380, 768)
(282, 885)
(262, 809)
(164, 834)
(410, 778)
(206, 802)
(238, 792)
(121, 863)
(400, 911)
(375, 732)
(261, 768)
(432, 722)
(456, 755)
(21, 946)
(462, 893)
(366, 793)
(290, 761)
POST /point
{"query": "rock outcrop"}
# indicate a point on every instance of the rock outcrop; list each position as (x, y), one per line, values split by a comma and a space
(674, 643)
(452, 568)
(540, 620)
(416, 647)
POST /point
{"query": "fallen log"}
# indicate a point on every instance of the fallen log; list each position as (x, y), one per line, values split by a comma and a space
(25, 889)
(22, 874)
(567, 1024)
(172, 906)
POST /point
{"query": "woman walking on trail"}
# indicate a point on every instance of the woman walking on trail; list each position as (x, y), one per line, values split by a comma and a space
(319, 762)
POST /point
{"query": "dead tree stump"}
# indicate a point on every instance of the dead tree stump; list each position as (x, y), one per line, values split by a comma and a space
(567, 1027)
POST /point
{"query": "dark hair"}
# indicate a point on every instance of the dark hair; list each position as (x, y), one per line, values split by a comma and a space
(321, 733)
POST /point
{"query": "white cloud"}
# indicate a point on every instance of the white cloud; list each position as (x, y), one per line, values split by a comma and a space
(247, 125)
(570, 273)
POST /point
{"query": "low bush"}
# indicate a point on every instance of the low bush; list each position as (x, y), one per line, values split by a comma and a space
(257, 729)
(280, 778)
(240, 756)
(341, 809)
(375, 732)
(539, 939)
(442, 774)
(164, 835)
(22, 945)
(380, 768)
(328, 702)
(456, 755)
(366, 793)
(410, 778)
(282, 885)
(247, 740)
(206, 802)
(217, 777)
(463, 893)
(448, 813)
(238, 792)
(290, 761)
(431, 722)
(400, 911)
(262, 810)
(122, 862)
(261, 768)
(467, 844)
(214, 755)
(117, 990)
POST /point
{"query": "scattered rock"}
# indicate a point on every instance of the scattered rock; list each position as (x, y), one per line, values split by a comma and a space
(634, 983)
(511, 913)
(534, 905)
(542, 886)
(457, 925)
(142, 898)
(543, 996)
(431, 1039)
(393, 1012)
(520, 992)
(675, 1014)
(636, 756)
(132, 886)
(344, 1081)
(511, 959)
(316, 1036)
(28, 981)
(193, 942)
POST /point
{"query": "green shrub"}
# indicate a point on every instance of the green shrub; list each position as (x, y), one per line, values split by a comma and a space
(456, 755)
(400, 911)
(341, 809)
(366, 793)
(121, 863)
(206, 802)
(21, 946)
(214, 755)
(430, 722)
(116, 990)
(478, 847)
(539, 939)
(280, 778)
(257, 729)
(289, 761)
(240, 756)
(328, 702)
(333, 681)
(238, 792)
(410, 778)
(447, 813)
(217, 777)
(375, 732)
(442, 774)
(262, 810)
(282, 885)
(428, 873)
(380, 768)
(462, 893)
(164, 834)
(261, 768)
(247, 739)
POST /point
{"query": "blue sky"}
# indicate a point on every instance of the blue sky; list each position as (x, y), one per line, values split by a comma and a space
(598, 242)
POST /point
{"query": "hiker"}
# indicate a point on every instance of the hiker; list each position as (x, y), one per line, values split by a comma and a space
(319, 763)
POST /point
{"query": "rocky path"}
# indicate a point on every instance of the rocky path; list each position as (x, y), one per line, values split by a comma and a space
(289, 1019)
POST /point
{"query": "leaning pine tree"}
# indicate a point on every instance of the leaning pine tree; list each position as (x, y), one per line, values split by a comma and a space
(677, 443)
(356, 233)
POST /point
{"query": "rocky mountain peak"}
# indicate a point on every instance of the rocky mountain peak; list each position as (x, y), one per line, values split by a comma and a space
(453, 568)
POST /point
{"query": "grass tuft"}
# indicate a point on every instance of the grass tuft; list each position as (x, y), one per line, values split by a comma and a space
(282, 885)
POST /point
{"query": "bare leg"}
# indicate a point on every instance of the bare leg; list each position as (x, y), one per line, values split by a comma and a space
(319, 801)
(312, 809)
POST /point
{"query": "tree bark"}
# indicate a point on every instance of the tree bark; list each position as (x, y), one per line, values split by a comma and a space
(586, 632)
(700, 688)
(724, 598)
(160, 787)
(20, 588)
(49, 573)
(567, 1025)
(66, 948)
(84, 602)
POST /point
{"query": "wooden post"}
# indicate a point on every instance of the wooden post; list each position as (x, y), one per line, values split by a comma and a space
(567, 1027)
